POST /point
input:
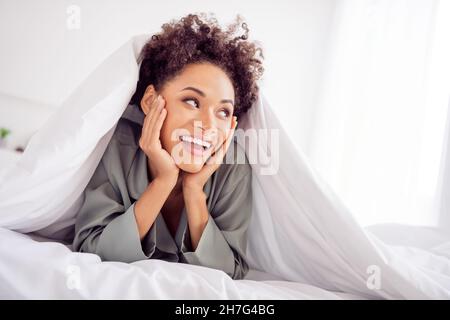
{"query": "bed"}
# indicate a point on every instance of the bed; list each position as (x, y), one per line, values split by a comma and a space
(303, 241)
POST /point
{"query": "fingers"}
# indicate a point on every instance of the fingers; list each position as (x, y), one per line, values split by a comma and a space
(156, 109)
(220, 153)
(228, 140)
(153, 106)
(148, 117)
(148, 124)
(158, 125)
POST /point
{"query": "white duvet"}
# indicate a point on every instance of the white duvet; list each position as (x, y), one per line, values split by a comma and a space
(300, 231)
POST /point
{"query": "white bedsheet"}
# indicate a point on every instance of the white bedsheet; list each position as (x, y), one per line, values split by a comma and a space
(34, 267)
(300, 230)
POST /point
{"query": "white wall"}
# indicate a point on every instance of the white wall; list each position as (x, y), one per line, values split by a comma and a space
(23, 118)
(42, 60)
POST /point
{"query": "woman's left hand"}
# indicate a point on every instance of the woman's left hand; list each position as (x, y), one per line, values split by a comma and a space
(196, 181)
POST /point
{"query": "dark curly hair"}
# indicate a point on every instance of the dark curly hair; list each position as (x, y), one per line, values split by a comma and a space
(195, 39)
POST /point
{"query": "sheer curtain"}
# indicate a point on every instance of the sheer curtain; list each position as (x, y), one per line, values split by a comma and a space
(444, 180)
(378, 135)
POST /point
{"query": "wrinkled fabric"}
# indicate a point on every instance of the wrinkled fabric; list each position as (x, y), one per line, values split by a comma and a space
(299, 231)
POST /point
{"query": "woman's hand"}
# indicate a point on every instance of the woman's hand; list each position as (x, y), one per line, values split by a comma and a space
(161, 164)
(196, 181)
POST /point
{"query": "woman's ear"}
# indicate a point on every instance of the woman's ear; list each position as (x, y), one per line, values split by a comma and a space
(149, 96)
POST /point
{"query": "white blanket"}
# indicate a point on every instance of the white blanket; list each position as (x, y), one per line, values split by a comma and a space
(300, 230)
(49, 270)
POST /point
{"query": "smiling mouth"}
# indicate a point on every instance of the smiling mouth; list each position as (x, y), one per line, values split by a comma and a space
(195, 143)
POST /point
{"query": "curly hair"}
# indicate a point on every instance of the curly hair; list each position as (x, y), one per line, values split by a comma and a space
(195, 39)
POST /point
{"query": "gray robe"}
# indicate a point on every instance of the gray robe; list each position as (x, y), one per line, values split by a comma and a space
(106, 224)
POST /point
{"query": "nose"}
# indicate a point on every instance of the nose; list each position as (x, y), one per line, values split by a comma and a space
(207, 121)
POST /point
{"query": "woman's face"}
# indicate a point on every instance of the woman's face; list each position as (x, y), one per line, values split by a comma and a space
(199, 104)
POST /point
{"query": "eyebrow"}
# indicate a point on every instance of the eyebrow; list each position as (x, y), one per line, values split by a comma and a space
(203, 95)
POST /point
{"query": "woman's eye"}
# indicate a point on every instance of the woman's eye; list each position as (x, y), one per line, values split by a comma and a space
(194, 103)
(192, 100)
(225, 113)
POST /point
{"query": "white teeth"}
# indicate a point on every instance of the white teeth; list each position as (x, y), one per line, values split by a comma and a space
(199, 142)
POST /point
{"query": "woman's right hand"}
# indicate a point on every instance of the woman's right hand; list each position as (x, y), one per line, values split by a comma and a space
(161, 164)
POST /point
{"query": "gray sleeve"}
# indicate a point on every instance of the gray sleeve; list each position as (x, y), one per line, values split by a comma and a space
(104, 227)
(223, 242)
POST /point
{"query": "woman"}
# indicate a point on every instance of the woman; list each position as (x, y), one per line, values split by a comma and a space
(161, 189)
